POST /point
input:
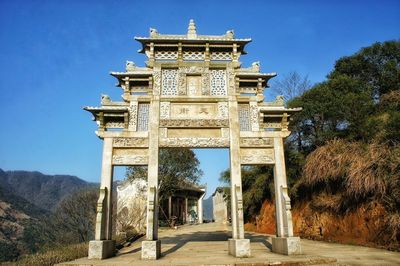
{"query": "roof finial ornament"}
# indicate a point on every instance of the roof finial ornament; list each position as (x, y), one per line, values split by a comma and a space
(192, 34)
(153, 32)
(230, 34)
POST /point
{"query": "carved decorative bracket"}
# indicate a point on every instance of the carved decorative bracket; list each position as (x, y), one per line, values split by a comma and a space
(287, 214)
(100, 233)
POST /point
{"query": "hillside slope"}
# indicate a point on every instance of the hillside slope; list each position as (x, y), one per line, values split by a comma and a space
(22, 225)
(44, 191)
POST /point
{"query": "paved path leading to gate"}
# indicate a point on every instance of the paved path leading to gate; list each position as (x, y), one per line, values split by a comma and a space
(206, 244)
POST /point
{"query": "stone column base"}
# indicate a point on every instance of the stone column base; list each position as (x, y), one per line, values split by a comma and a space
(286, 245)
(239, 248)
(101, 249)
(151, 249)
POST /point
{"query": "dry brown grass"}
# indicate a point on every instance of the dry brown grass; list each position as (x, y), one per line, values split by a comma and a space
(362, 168)
(51, 257)
(341, 176)
(326, 202)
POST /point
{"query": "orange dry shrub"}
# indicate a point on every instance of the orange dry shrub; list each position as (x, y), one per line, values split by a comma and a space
(363, 169)
(341, 177)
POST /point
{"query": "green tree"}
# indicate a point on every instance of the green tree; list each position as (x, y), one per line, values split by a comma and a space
(177, 168)
(346, 104)
(377, 65)
(257, 186)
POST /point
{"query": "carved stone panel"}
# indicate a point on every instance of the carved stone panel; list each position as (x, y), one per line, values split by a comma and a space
(133, 109)
(254, 121)
(194, 123)
(205, 84)
(165, 110)
(195, 142)
(194, 133)
(130, 157)
(256, 156)
(130, 142)
(193, 84)
(156, 82)
(223, 111)
(256, 142)
(194, 110)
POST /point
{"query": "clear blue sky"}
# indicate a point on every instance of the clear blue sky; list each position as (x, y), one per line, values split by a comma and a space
(55, 58)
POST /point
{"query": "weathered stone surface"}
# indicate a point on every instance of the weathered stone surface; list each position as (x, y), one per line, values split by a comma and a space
(101, 249)
(286, 245)
(151, 249)
(193, 94)
(239, 248)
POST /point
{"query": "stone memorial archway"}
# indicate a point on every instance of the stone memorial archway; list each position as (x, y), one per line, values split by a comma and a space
(192, 93)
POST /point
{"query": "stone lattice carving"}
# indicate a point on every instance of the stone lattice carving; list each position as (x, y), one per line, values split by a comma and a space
(194, 142)
(130, 142)
(165, 110)
(221, 56)
(218, 82)
(169, 82)
(194, 123)
(193, 55)
(272, 125)
(133, 109)
(166, 55)
(115, 125)
(143, 117)
(130, 160)
(244, 117)
(256, 142)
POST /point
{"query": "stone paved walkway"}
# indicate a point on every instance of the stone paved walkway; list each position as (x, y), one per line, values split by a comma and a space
(206, 244)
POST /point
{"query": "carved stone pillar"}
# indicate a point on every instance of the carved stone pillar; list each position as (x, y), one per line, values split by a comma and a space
(151, 248)
(103, 246)
(284, 242)
(238, 246)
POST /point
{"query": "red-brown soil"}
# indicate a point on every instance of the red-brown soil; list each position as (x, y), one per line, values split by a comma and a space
(365, 225)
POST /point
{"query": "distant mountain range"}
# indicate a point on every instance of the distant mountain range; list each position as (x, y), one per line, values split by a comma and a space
(27, 200)
(44, 191)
